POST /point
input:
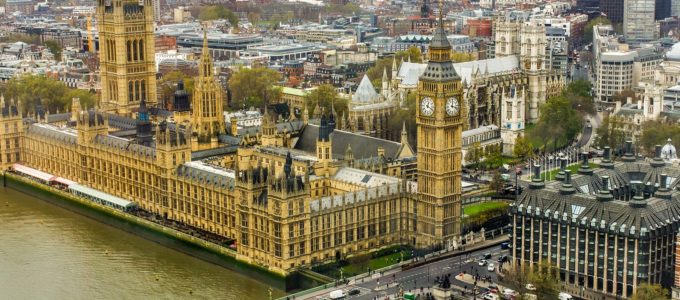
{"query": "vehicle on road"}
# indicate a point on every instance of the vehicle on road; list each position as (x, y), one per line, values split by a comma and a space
(337, 294)
(565, 296)
(353, 292)
(490, 296)
(531, 287)
(502, 258)
(487, 255)
(409, 296)
(505, 245)
(491, 267)
(510, 294)
(482, 263)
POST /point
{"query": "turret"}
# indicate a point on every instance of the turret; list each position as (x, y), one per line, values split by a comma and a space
(385, 84)
(180, 101)
(144, 134)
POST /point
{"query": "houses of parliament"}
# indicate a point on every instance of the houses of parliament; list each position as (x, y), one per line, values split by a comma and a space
(287, 202)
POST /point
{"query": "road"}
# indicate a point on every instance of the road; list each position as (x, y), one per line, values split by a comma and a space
(421, 277)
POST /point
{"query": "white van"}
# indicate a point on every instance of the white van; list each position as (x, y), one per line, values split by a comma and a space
(565, 296)
(339, 294)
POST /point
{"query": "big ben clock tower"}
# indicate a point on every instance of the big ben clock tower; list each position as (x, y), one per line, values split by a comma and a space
(440, 119)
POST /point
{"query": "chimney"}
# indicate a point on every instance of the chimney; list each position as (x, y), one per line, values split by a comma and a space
(585, 165)
(567, 188)
(563, 167)
(657, 161)
(537, 181)
(628, 156)
(607, 158)
(604, 195)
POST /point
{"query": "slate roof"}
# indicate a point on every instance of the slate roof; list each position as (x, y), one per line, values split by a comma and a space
(61, 117)
(625, 214)
(410, 73)
(124, 123)
(363, 146)
(207, 174)
(66, 135)
(198, 155)
(292, 126)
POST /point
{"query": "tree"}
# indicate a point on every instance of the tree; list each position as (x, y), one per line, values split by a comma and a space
(559, 122)
(215, 12)
(324, 96)
(493, 157)
(254, 87)
(86, 98)
(404, 116)
(578, 92)
(646, 291)
(53, 95)
(347, 9)
(462, 56)
(497, 182)
(656, 133)
(168, 84)
(623, 96)
(544, 278)
(611, 133)
(523, 148)
(588, 30)
(474, 154)
(54, 48)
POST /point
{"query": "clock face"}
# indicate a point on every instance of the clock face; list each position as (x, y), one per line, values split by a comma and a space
(427, 106)
(452, 107)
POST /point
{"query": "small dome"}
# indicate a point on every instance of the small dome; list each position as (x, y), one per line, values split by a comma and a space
(674, 53)
(668, 151)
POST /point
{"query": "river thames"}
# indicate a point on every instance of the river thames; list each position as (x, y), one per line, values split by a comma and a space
(47, 252)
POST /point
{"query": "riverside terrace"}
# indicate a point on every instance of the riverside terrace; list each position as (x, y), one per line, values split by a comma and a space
(606, 229)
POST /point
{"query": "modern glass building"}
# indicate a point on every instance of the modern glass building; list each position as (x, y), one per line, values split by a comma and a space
(638, 21)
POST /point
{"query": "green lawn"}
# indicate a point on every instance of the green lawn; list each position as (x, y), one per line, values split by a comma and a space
(573, 168)
(479, 208)
(375, 263)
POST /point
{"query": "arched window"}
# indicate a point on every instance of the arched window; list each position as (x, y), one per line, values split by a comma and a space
(129, 50)
(137, 90)
(143, 90)
(141, 49)
(130, 91)
(135, 51)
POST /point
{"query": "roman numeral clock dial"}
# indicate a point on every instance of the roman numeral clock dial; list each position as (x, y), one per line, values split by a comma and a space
(427, 106)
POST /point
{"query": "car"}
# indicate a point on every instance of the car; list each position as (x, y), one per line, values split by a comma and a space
(487, 255)
(565, 296)
(490, 296)
(353, 292)
(505, 245)
(491, 267)
(503, 258)
(531, 287)
(482, 263)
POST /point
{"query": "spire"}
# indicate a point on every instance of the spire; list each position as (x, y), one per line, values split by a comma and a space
(287, 166)
(205, 66)
(404, 133)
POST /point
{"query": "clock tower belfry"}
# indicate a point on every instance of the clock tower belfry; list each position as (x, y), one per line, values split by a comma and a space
(440, 118)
